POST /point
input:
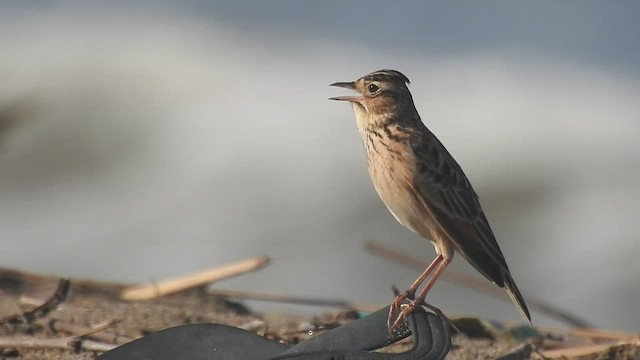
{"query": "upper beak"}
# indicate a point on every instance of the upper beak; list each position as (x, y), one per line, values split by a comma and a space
(346, 85)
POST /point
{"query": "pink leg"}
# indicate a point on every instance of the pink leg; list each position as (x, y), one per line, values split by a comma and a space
(423, 294)
(411, 292)
(416, 284)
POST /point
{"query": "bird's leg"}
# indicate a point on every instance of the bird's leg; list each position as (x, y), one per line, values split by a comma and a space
(409, 308)
(411, 292)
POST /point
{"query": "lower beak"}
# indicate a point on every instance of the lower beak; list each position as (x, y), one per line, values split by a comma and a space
(345, 98)
(346, 85)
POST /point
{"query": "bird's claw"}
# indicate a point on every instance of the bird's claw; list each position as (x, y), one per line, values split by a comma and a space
(407, 309)
(398, 303)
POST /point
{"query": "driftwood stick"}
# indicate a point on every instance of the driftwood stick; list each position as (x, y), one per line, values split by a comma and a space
(249, 295)
(181, 283)
(604, 334)
(89, 345)
(596, 334)
(64, 343)
(580, 351)
(470, 282)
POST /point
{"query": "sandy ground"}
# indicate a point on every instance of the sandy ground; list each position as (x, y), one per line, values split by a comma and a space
(90, 303)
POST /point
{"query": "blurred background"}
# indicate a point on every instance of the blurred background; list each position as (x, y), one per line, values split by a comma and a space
(144, 140)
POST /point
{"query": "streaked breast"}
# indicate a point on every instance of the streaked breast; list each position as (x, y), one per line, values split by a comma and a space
(392, 167)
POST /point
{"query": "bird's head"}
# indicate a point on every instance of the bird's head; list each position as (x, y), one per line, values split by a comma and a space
(380, 92)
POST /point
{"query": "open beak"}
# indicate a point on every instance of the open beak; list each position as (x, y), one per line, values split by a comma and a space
(346, 85)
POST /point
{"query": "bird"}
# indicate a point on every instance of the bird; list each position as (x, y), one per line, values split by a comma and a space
(423, 187)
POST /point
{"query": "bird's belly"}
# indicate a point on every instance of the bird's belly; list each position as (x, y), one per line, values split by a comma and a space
(393, 183)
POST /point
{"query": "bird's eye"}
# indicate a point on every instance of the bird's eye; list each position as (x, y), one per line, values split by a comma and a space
(373, 88)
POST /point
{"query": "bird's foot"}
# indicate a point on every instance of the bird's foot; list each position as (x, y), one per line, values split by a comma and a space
(397, 304)
(407, 309)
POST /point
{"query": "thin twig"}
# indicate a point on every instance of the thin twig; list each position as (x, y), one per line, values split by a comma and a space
(58, 297)
(522, 352)
(96, 332)
(181, 283)
(470, 282)
(291, 299)
(253, 325)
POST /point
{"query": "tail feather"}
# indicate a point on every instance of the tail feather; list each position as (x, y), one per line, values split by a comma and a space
(515, 295)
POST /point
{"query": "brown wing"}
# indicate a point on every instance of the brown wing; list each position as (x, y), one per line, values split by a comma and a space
(454, 205)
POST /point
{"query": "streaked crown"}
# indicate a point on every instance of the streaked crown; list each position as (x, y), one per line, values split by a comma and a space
(389, 75)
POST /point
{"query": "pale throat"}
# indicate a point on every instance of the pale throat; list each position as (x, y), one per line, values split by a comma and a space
(366, 120)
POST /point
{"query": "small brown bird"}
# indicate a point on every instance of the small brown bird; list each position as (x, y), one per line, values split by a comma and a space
(423, 186)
